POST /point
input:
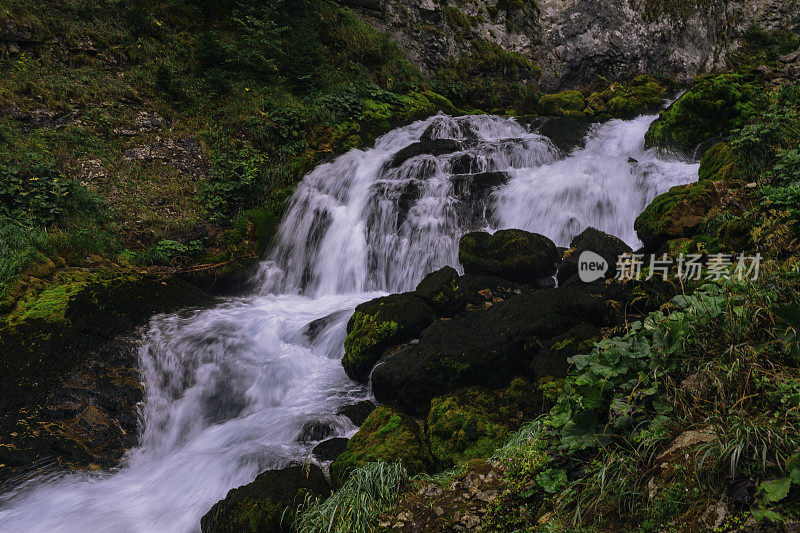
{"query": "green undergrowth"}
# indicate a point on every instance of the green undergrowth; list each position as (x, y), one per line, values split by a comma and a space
(354, 508)
(263, 91)
(655, 426)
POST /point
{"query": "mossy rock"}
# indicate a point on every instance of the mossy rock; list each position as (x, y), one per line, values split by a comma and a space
(711, 109)
(387, 435)
(718, 163)
(266, 505)
(52, 328)
(486, 347)
(472, 423)
(440, 290)
(379, 324)
(675, 214)
(564, 104)
(643, 94)
(512, 254)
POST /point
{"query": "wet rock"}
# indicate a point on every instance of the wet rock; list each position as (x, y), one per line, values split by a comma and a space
(69, 377)
(387, 435)
(551, 360)
(312, 331)
(487, 347)
(314, 431)
(606, 246)
(268, 503)
(433, 147)
(515, 255)
(357, 412)
(566, 133)
(330, 449)
(478, 185)
(378, 324)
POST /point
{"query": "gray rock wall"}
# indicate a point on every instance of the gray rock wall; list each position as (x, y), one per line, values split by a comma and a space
(574, 41)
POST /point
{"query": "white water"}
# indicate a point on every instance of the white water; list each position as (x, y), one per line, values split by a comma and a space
(228, 389)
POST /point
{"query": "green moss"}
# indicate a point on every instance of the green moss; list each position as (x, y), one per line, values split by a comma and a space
(718, 163)
(387, 435)
(712, 108)
(565, 103)
(473, 422)
(457, 20)
(379, 324)
(643, 94)
(675, 214)
(364, 343)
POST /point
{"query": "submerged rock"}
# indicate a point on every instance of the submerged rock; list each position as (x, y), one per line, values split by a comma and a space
(387, 435)
(378, 324)
(267, 504)
(430, 147)
(566, 133)
(512, 254)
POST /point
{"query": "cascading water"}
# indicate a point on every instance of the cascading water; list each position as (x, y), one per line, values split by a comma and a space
(229, 389)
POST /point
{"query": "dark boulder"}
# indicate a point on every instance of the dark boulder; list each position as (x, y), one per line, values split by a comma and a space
(478, 185)
(486, 347)
(357, 412)
(440, 291)
(679, 212)
(267, 504)
(433, 147)
(482, 291)
(378, 324)
(606, 246)
(330, 449)
(512, 254)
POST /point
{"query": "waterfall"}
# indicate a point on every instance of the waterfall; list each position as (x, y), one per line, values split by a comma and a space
(229, 389)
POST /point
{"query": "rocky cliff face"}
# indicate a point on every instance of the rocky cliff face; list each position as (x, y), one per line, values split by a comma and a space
(574, 41)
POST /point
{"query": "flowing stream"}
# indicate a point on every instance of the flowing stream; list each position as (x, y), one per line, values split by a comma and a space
(230, 389)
